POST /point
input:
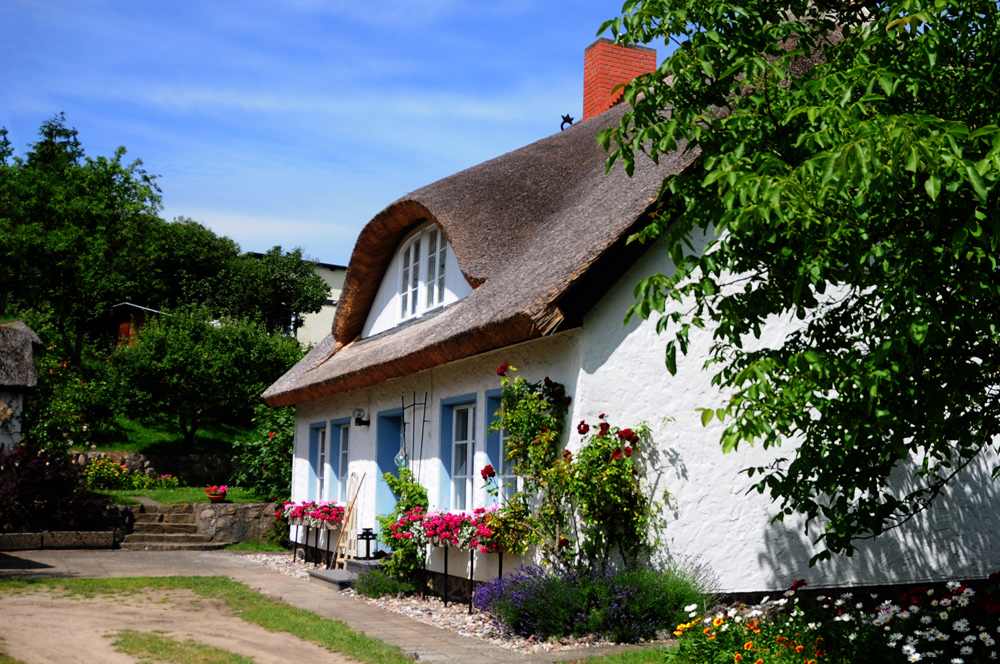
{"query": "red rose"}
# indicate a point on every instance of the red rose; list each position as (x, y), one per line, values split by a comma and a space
(604, 428)
(488, 473)
(617, 454)
(504, 368)
(628, 451)
(582, 428)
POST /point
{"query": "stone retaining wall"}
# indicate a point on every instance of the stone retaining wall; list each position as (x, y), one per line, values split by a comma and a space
(192, 468)
(57, 540)
(234, 522)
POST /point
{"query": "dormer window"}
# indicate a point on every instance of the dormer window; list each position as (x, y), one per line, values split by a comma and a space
(422, 277)
(423, 267)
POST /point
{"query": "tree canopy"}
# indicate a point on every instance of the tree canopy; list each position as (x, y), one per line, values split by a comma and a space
(79, 235)
(848, 157)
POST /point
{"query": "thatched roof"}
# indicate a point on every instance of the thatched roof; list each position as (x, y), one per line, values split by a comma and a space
(539, 233)
(17, 356)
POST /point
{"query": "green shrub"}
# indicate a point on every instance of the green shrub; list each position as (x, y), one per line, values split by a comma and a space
(378, 582)
(626, 606)
(264, 456)
(105, 473)
(407, 556)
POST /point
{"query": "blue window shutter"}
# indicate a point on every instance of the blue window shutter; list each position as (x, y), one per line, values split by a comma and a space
(447, 424)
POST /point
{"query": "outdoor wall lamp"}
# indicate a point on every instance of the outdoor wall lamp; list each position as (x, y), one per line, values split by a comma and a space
(359, 418)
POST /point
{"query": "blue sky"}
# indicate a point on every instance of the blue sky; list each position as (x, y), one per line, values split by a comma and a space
(293, 122)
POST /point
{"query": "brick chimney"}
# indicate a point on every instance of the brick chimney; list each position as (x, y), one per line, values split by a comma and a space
(605, 65)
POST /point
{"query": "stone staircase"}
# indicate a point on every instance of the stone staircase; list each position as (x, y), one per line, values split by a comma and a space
(167, 528)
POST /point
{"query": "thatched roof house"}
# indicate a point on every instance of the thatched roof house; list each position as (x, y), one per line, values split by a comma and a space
(18, 344)
(539, 235)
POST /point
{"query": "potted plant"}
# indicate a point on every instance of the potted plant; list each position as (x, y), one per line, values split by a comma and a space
(216, 493)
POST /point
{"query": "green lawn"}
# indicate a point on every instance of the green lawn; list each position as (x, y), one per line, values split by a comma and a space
(180, 495)
(166, 438)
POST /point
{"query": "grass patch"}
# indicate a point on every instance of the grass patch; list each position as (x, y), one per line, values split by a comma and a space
(5, 658)
(165, 438)
(251, 545)
(272, 614)
(155, 647)
(649, 655)
(180, 495)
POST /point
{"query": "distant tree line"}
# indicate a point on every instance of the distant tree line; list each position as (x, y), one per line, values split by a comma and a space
(79, 235)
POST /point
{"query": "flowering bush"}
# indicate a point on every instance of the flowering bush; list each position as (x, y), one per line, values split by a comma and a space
(624, 605)
(410, 527)
(533, 417)
(953, 625)
(216, 490)
(105, 473)
(614, 510)
(462, 529)
(312, 513)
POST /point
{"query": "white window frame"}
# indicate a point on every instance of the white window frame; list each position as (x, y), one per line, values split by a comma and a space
(345, 442)
(461, 484)
(423, 258)
(322, 471)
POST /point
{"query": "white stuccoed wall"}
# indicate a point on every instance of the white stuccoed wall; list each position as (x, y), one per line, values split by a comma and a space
(712, 521)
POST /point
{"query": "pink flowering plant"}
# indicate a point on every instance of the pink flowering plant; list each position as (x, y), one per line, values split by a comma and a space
(216, 490)
(463, 529)
(313, 513)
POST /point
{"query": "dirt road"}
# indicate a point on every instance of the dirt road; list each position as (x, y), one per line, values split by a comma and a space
(44, 627)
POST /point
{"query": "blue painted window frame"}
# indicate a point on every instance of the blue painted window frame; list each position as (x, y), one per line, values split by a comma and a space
(445, 451)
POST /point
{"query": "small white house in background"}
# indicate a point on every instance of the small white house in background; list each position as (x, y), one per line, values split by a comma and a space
(18, 378)
(523, 259)
(317, 325)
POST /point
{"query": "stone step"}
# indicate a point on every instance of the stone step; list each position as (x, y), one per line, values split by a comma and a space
(169, 538)
(170, 546)
(155, 517)
(338, 578)
(159, 527)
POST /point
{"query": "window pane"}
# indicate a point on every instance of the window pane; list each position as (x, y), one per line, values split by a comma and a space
(461, 424)
(432, 247)
(461, 460)
(321, 462)
(442, 254)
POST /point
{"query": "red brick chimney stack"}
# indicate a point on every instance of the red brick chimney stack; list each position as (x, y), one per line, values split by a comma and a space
(605, 65)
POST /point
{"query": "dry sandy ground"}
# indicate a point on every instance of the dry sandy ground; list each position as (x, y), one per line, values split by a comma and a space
(45, 628)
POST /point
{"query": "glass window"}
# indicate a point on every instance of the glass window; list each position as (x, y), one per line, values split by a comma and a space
(345, 430)
(422, 280)
(463, 453)
(321, 474)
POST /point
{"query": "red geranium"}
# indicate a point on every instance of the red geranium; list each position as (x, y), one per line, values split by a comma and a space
(504, 368)
(582, 428)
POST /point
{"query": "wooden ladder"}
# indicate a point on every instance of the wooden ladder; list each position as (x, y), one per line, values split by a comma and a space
(347, 550)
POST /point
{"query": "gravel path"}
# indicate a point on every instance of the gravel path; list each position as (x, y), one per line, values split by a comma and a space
(454, 617)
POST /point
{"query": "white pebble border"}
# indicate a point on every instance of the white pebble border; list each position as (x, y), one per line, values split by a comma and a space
(431, 611)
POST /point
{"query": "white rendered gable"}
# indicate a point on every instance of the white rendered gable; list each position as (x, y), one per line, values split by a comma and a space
(387, 309)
